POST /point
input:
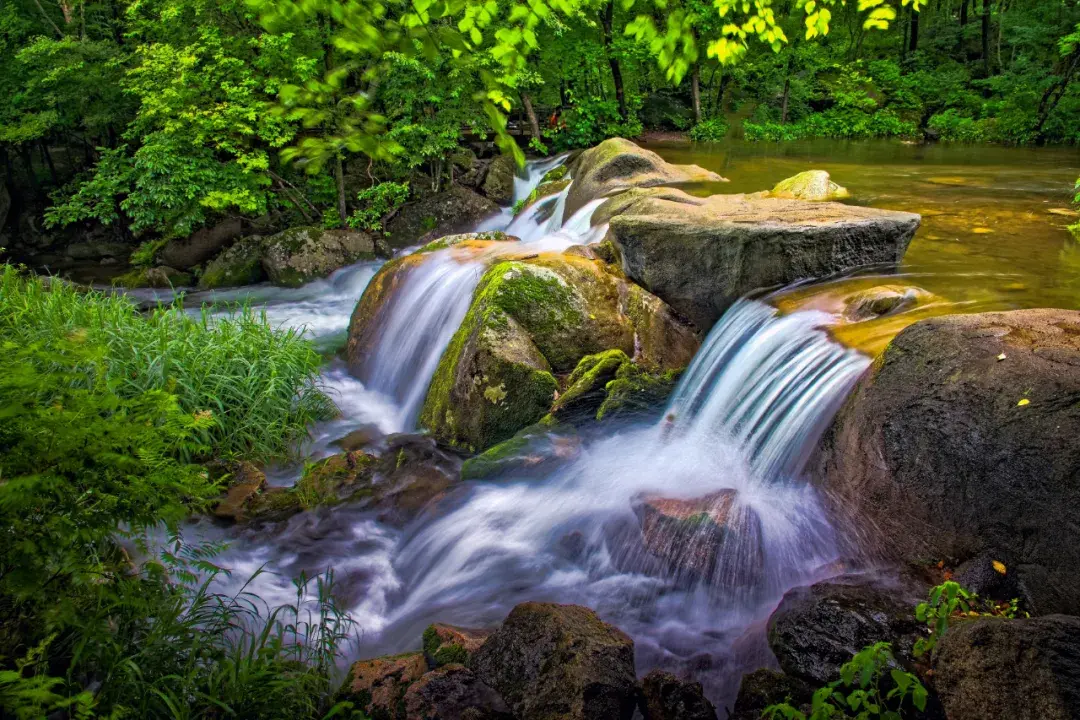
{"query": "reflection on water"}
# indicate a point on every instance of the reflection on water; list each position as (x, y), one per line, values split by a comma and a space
(993, 235)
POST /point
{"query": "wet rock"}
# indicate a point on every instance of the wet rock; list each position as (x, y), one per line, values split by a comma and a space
(479, 241)
(499, 181)
(360, 438)
(883, 300)
(200, 246)
(378, 687)
(452, 211)
(97, 249)
(815, 630)
(561, 661)
(453, 693)
(996, 669)
(333, 480)
(586, 386)
(240, 264)
(688, 536)
(529, 321)
(701, 254)
(245, 482)
(446, 644)
(811, 185)
(534, 450)
(946, 452)
(766, 687)
(302, 254)
(666, 697)
(412, 474)
(617, 164)
(545, 189)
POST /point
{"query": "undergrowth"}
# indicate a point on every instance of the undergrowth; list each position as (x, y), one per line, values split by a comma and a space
(258, 383)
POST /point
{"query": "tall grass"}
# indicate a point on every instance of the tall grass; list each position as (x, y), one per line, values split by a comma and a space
(259, 383)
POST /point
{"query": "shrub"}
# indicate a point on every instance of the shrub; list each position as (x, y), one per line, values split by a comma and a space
(258, 383)
(375, 203)
(711, 130)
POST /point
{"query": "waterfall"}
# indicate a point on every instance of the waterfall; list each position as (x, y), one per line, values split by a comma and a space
(423, 313)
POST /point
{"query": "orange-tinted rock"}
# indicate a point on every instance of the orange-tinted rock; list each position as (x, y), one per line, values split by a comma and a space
(246, 481)
(446, 644)
(378, 686)
(453, 693)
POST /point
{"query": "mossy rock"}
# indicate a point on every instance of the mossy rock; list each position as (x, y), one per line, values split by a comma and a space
(155, 277)
(299, 255)
(467, 239)
(811, 185)
(333, 480)
(530, 451)
(531, 320)
(543, 190)
(586, 386)
(235, 266)
(446, 644)
(454, 210)
(555, 174)
(499, 181)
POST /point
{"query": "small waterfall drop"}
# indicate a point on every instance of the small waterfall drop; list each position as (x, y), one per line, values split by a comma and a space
(423, 313)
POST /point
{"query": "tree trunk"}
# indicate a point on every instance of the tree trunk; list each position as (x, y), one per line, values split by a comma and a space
(47, 157)
(913, 38)
(1055, 92)
(28, 162)
(339, 178)
(695, 91)
(534, 124)
(986, 37)
(783, 105)
(963, 13)
(606, 18)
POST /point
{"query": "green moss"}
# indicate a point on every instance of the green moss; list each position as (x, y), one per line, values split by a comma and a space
(590, 373)
(555, 174)
(244, 271)
(636, 391)
(451, 240)
(543, 190)
(439, 653)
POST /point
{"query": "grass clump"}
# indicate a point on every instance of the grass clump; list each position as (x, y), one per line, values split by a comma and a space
(258, 383)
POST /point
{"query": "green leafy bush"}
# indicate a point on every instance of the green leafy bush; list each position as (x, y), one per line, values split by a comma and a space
(871, 685)
(375, 203)
(711, 130)
(258, 383)
(950, 601)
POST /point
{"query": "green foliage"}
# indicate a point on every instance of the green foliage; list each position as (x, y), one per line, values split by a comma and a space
(257, 383)
(375, 203)
(146, 253)
(711, 130)
(948, 602)
(871, 685)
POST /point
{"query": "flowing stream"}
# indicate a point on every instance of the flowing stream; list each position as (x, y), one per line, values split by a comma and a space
(734, 438)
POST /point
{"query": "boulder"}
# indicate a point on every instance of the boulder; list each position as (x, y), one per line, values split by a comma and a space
(155, 277)
(543, 190)
(377, 687)
(200, 246)
(453, 693)
(701, 254)
(810, 185)
(531, 320)
(446, 644)
(240, 264)
(499, 180)
(336, 479)
(302, 254)
(412, 473)
(687, 536)
(997, 669)
(959, 442)
(666, 697)
(534, 450)
(617, 164)
(455, 210)
(559, 661)
(817, 629)
(245, 482)
(765, 687)
(97, 249)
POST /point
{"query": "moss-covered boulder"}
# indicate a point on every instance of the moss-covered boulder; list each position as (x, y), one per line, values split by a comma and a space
(336, 479)
(428, 218)
(559, 661)
(531, 451)
(377, 687)
(530, 321)
(240, 264)
(302, 254)
(499, 180)
(666, 697)
(543, 190)
(200, 246)
(243, 481)
(446, 644)
(811, 185)
(701, 254)
(155, 277)
(617, 164)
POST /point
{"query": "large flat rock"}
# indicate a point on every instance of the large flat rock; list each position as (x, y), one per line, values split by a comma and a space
(701, 254)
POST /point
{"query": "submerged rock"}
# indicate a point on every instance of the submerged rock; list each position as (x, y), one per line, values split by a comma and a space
(701, 254)
(666, 697)
(996, 669)
(531, 320)
(617, 164)
(452, 211)
(883, 300)
(960, 443)
(810, 185)
(559, 661)
(302, 254)
(815, 630)
(499, 180)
